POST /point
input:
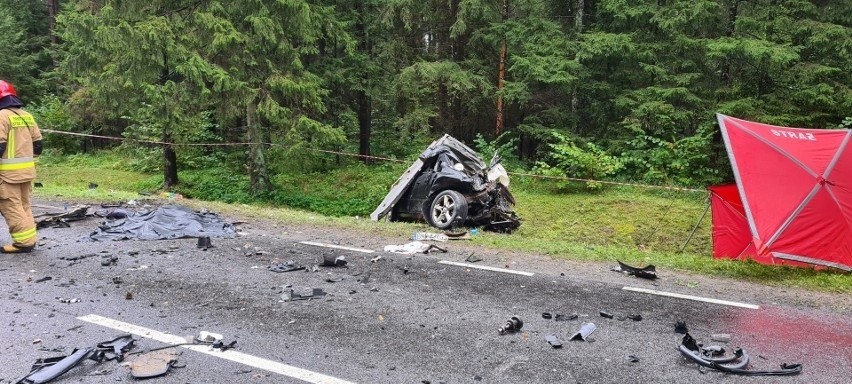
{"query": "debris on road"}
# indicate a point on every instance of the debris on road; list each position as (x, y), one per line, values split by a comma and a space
(304, 294)
(606, 314)
(114, 349)
(43, 279)
(204, 242)
(61, 220)
(559, 317)
(107, 260)
(512, 325)
(219, 344)
(735, 363)
(45, 370)
(633, 359)
(553, 341)
(205, 337)
(680, 327)
(648, 272)
(68, 301)
(585, 330)
(153, 364)
(332, 261)
(472, 258)
(546, 315)
(287, 266)
(449, 186)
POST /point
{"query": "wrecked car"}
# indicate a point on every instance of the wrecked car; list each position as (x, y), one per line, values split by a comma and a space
(449, 186)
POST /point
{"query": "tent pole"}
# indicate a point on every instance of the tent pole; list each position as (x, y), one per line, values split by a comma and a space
(695, 228)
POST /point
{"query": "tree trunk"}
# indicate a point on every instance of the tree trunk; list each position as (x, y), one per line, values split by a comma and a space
(258, 174)
(501, 74)
(364, 100)
(170, 171)
(725, 71)
(578, 29)
(52, 6)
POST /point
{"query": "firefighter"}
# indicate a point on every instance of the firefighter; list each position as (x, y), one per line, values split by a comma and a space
(20, 144)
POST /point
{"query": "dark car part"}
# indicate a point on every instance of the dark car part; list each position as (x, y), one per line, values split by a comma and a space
(115, 348)
(553, 341)
(512, 325)
(693, 351)
(49, 369)
(447, 210)
(648, 272)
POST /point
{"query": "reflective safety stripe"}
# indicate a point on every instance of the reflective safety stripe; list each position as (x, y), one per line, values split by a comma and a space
(17, 166)
(23, 236)
(16, 160)
(21, 121)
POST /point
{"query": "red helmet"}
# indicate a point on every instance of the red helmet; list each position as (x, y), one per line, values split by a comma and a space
(7, 89)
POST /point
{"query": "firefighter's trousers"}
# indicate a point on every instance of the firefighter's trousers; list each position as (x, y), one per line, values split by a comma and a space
(16, 209)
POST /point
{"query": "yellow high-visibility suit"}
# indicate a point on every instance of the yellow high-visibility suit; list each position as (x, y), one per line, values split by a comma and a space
(18, 134)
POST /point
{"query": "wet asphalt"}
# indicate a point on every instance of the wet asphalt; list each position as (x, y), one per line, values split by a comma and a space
(398, 319)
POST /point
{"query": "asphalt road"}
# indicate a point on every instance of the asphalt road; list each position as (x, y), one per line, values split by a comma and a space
(399, 319)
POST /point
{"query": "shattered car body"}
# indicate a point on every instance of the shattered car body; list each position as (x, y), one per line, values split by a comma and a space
(450, 186)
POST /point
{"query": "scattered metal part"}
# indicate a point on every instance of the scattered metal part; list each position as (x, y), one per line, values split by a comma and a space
(648, 272)
(585, 330)
(306, 294)
(68, 301)
(114, 349)
(287, 266)
(553, 341)
(559, 317)
(512, 325)
(690, 349)
(204, 242)
(332, 261)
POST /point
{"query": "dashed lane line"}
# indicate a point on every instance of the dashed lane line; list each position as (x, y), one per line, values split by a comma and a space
(494, 269)
(690, 297)
(336, 246)
(231, 355)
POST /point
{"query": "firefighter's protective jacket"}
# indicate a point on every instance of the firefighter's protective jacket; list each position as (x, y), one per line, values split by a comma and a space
(18, 130)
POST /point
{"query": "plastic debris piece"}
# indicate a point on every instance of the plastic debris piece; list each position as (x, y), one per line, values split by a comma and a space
(304, 294)
(512, 325)
(680, 327)
(208, 337)
(69, 301)
(472, 258)
(204, 242)
(287, 266)
(585, 330)
(606, 314)
(546, 315)
(219, 344)
(332, 261)
(45, 370)
(636, 317)
(114, 349)
(559, 317)
(153, 364)
(633, 359)
(648, 272)
(553, 341)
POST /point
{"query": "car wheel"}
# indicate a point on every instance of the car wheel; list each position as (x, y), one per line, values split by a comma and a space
(448, 210)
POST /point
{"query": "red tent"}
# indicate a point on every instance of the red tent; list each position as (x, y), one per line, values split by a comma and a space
(793, 197)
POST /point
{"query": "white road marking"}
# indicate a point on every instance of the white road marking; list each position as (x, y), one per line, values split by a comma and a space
(466, 265)
(690, 297)
(336, 246)
(232, 355)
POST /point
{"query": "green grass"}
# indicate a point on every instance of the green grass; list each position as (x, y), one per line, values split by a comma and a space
(635, 225)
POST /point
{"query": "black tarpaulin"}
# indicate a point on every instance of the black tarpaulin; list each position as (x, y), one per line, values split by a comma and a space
(166, 222)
